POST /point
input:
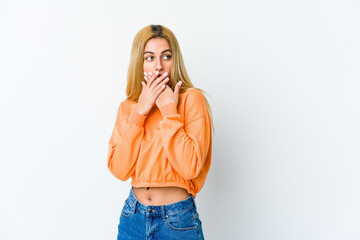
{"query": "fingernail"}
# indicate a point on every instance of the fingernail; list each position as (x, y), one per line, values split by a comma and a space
(145, 73)
(180, 82)
(145, 78)
(150, 73)
(157, 72)
(165, 74)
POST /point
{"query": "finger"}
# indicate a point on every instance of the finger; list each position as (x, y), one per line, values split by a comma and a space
(153, 77)
(150, 78)
(160, 80)
(177, 88)
(159, 90)
(160, 85)
(146, 76)
(156, 87)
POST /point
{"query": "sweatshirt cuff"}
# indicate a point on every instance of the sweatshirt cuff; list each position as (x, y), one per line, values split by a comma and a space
(168, 109)
(136, 118)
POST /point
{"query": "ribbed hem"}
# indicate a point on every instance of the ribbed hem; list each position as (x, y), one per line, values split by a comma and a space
(136, 118)
(168, 109)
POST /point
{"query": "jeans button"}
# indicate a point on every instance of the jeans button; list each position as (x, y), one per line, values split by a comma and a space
(150, 211)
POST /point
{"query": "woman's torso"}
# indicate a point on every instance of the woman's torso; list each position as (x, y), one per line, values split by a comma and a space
(160, 195)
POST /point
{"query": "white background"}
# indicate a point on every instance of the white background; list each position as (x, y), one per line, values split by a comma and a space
(283, 82)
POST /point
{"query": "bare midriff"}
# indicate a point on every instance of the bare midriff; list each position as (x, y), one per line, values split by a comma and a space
(160, 195)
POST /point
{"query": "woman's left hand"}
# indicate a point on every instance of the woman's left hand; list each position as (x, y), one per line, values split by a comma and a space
(168, 95)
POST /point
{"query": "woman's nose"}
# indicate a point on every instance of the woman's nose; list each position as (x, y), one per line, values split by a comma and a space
(158, 66)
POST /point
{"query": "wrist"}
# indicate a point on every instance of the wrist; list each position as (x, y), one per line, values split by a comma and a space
(139, 111)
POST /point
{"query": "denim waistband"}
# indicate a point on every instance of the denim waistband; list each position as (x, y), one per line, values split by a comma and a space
(159, 210)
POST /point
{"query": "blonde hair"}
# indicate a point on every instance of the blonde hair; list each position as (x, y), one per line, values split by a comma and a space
(178, 71)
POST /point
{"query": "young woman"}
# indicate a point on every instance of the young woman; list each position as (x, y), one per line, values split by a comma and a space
(162, 138)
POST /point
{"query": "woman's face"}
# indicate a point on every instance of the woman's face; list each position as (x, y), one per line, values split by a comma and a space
(157, 56)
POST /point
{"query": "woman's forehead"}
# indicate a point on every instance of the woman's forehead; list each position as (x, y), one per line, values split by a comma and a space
(157, 45)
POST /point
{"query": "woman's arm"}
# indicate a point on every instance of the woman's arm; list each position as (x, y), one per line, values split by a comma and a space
(125, 141)
(186, 146)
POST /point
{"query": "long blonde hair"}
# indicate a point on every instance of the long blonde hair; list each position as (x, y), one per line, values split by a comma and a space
(178, 71)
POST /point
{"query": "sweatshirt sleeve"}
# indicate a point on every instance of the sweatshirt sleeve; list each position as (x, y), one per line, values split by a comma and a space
(186, 146)
(125, 141)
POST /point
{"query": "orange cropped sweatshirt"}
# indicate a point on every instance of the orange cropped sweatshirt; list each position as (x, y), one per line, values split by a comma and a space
(170, 146)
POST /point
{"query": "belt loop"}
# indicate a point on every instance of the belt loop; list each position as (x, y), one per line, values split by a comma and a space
(192, 196)
(133, 197)
(163, 213)
(134, 210)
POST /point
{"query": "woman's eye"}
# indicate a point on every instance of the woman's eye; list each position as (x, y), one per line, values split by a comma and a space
(149, 58)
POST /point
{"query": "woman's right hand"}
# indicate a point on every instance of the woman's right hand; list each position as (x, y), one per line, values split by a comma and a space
(150, 91)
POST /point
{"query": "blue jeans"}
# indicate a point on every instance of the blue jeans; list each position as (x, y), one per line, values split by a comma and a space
(178, 220)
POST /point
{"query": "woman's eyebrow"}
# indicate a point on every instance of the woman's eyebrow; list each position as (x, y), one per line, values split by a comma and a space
(161, 52)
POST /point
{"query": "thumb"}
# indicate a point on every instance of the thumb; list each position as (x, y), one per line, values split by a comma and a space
(177, 89)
